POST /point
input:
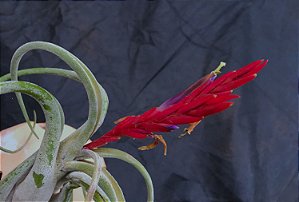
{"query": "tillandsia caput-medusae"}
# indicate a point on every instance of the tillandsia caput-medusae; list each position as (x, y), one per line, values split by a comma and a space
(57, 167)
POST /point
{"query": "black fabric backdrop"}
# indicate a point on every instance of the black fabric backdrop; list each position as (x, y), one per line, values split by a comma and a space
(144, 52)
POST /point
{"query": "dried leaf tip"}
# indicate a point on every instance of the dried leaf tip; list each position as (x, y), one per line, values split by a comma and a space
(157, 139)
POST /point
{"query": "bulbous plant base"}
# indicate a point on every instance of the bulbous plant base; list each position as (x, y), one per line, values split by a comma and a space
(14, 138)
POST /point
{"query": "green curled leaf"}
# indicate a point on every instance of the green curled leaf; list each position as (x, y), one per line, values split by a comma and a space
(43, 70)
(84, 181)
(106, 181)
(44, 165)
(97, 97)
(118, 154)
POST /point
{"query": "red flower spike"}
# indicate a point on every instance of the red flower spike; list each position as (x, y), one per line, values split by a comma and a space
(207, 96)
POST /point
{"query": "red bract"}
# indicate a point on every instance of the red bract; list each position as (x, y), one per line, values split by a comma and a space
(205, 97)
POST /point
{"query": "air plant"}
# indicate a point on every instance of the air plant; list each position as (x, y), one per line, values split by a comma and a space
(57, 167)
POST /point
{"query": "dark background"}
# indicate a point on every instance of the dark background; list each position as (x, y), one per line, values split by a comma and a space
(144, 52)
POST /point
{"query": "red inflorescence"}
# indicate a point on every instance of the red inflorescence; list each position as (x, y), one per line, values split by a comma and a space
(205, 97)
